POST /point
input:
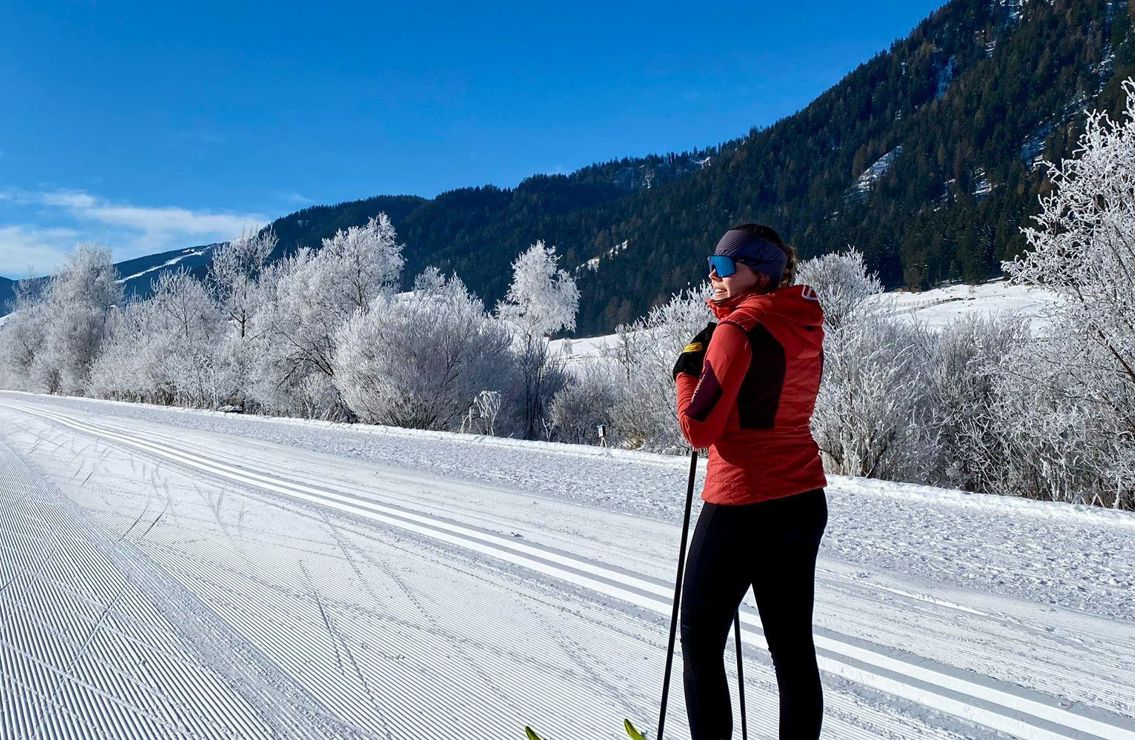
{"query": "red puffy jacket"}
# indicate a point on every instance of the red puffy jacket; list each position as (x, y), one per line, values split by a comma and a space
(752, 405)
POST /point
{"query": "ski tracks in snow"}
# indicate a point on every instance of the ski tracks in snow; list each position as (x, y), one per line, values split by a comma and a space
(943, 674)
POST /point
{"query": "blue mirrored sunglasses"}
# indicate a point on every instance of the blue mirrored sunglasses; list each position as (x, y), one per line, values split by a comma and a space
(725, 266)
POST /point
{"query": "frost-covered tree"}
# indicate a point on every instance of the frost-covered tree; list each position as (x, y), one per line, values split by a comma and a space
(21, 335)
(77, 313)
(235, 278)
(587, 400)
(166, 349)
(234, 275)
(541, 300)
(309, 297)
(842, 281)
(1054, 442)
(644, 414)
(419, 361)
(359, 264)
(870, 417)
(963, 384)
(1083, 246)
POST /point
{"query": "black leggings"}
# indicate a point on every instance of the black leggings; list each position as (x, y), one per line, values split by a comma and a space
(772, 547)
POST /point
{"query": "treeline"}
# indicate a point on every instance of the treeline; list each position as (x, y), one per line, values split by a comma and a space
(317, 335)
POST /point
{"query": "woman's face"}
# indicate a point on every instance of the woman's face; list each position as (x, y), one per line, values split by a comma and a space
(743, 281)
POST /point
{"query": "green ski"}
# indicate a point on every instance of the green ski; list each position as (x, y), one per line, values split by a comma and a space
(531, 734)
(632, 731)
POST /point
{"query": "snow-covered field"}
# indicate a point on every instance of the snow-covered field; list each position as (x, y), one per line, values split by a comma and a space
(938, 307)
(933, 308)
(175, 573)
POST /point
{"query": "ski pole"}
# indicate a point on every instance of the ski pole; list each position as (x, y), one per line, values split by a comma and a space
(677, 591)
(740, 674)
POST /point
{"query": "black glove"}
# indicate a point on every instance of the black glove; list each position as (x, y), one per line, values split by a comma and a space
(690, 361)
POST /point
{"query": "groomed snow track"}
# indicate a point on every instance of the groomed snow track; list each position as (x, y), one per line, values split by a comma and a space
(309, 706)
(95, 646)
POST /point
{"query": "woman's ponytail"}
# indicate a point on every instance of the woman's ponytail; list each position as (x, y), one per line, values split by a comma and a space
(789, 277)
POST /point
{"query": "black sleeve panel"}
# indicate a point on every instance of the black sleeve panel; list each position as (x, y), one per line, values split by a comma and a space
(706, 395)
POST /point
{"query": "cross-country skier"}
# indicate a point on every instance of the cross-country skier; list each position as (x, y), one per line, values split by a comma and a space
(746, 390)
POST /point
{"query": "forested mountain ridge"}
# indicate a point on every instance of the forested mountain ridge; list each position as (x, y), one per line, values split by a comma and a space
(923, 157)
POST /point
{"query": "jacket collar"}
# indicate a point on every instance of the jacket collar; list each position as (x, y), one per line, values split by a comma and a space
(721, 309)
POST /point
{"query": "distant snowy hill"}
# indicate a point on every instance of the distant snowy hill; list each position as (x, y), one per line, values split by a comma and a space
(941, 306)
(137, 274)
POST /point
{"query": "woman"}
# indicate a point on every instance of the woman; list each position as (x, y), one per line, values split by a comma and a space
(748, 397)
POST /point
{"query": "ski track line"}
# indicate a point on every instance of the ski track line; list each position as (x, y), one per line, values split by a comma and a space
(1005, 709)
(958, 640)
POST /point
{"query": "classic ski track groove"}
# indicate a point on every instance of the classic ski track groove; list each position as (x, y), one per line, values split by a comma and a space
(71, 680)
(937, 686)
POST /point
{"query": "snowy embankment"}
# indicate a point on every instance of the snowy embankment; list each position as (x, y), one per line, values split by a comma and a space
(933, 308)
(393, 583)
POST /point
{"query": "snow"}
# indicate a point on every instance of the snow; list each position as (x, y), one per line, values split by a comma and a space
(939, 307)
(875, 172)
(167, 263)
(934, 308)
(593, 263)
(981, 186)
(328, 580)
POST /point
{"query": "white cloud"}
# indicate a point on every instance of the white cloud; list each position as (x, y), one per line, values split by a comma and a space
(27, 251)
(61, 198)
(129, 230)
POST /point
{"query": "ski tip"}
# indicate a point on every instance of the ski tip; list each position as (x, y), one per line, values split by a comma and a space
(633, 733)
(531, 734)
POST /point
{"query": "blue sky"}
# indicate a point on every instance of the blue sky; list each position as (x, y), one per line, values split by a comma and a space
(151, 126)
